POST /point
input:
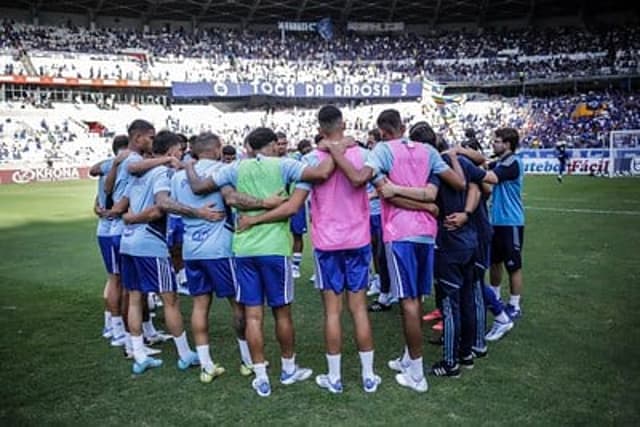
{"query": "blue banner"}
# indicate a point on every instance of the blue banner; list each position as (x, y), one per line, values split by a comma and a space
(296, 90)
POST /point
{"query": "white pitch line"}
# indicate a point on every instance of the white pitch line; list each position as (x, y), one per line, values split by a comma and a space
(587, 211)
(575, 200)
(556, 199)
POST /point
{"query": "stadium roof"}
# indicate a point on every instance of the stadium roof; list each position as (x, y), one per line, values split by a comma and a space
(269, 11)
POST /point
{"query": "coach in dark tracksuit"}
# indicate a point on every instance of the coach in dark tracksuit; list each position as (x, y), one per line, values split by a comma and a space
(456, 245)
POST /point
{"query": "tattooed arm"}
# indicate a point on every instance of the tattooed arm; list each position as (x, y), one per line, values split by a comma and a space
(247, 202)
(167, 204)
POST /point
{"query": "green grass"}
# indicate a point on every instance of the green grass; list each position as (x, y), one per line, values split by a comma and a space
(574, 359)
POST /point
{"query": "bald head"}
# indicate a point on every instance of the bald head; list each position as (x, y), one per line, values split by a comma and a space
(207, 145)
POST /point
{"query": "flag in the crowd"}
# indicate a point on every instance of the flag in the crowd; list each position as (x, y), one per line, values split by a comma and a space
(588, 109)
(434, 92)
(446, 107)
(437, 88)
(325, 28)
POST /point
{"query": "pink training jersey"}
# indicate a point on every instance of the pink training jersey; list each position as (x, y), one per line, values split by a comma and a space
(340, 211)
(410, 169)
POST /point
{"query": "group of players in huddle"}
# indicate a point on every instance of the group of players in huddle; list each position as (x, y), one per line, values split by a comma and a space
(415, 208)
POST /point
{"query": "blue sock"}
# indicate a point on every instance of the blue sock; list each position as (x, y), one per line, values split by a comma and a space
(491, 300)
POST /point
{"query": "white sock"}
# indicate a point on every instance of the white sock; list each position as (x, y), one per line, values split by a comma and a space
(384, 298)
(260, 370)
(375, 281)
(182, 345)
(406, 358)
(366, 360)
(333, 361)
(503, 318)
(107, 319)
(245, 354)
(416, 369)
(296, 259)
(138, 348)
(205, 357)
(128, 343)
(514, 300)
(288, 365)
(181, 277)
(148, 330)
(496, 290)
(118, 326)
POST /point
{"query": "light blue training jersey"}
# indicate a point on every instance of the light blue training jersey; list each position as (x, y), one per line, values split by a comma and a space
(290, 169)
(203, 239)
(120, 187)
(147, 240)
(507, 208)
(105, 225)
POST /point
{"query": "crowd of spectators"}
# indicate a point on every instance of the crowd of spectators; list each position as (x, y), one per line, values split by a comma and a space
(242, 56)
(40, 142)
(582, 121)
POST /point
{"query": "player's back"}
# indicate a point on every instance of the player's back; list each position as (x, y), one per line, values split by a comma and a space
(261, 177)
(450, 201)
(123, 176)
(203, 239)
(408, 165)
(148, 239)
(338, 208)
(120, 187)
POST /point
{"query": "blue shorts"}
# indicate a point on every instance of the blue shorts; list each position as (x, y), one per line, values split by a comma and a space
(298, 222)
(110, 250)
(375, 222)
(342, 270)
(506, 246)
(261, 277)
(206, 276)
(453, 270)
(175, 231)
(147, 274)
(410, 268)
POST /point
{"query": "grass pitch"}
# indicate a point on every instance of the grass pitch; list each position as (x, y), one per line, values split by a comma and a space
(574, 358)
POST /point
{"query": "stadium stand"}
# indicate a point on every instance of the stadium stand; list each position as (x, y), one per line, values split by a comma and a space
(79, 122)
(230, 55)
(80, 133)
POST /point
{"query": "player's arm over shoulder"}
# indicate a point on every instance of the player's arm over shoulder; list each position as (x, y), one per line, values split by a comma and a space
(316, 173)
(280, 213)
(506, 170)
(139, 165)
(101, 168)
(453, 175)
(202, 185)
